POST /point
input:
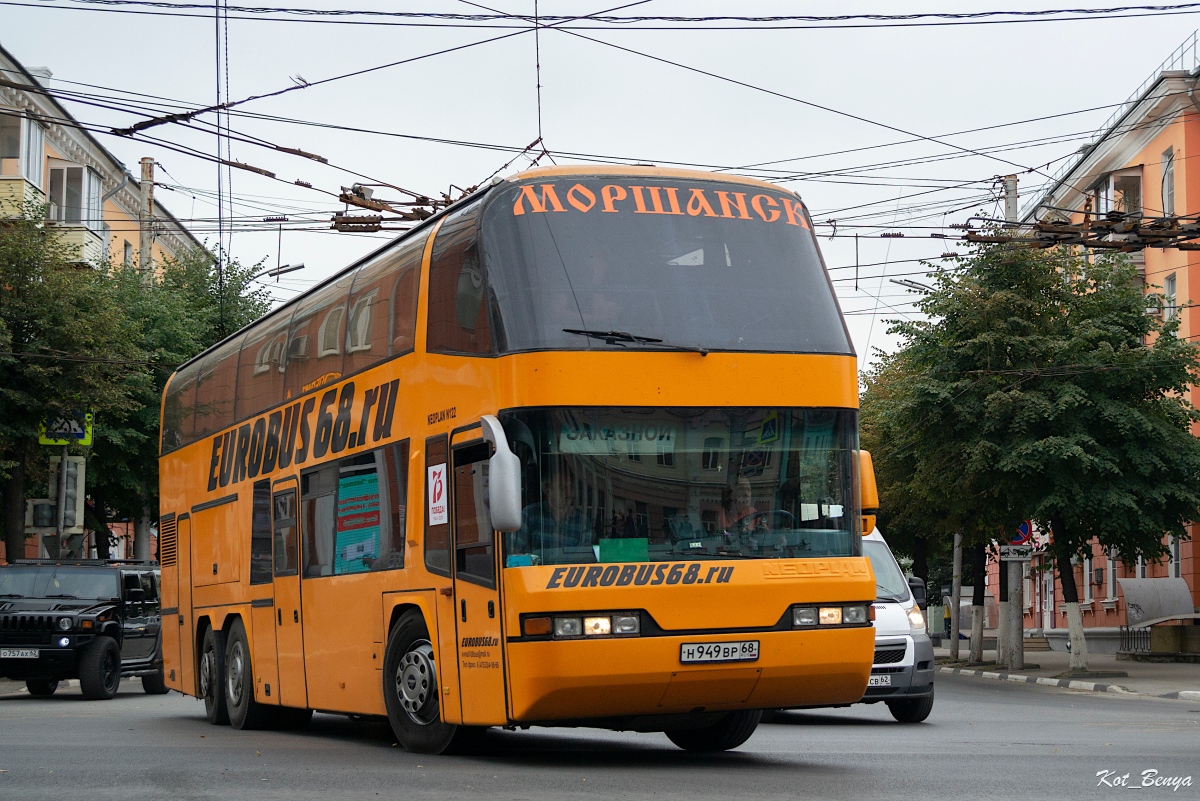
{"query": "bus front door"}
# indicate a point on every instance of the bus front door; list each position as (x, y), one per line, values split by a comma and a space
(477, 599)
(289, 628)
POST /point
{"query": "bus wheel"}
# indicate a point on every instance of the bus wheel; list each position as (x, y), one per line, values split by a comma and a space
(244, 711)
(410, 689)
(728, 732)
(212, 677)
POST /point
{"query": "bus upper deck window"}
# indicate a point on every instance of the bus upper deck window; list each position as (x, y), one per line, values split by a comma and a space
(458, 311)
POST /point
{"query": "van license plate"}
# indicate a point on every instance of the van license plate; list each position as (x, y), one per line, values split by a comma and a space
(18, 653)
(880, 681)
(744, 651)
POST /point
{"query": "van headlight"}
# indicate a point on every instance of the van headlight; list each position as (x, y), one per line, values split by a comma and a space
(916, 619)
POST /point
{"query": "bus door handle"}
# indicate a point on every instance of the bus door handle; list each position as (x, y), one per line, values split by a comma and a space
(463, 602)
(280, 611)
(295, 615)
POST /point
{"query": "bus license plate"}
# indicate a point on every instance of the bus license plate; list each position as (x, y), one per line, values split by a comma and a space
(745, 651)
(18, 653)
(879, 681)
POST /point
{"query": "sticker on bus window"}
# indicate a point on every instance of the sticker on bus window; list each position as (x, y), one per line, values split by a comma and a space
(438, 516)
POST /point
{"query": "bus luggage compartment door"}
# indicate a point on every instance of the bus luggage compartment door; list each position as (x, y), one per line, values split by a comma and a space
(476, 598)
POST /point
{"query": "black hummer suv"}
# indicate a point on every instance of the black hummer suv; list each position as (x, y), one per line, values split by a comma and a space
(92, 620)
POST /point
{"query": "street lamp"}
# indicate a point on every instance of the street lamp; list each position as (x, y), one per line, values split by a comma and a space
(917, 285)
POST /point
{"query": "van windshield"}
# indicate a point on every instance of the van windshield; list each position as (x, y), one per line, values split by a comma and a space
(890, 584)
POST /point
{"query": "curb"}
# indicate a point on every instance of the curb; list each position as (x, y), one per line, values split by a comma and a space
(1069, 684)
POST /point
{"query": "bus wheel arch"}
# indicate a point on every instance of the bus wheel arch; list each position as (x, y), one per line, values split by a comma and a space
(411, 691)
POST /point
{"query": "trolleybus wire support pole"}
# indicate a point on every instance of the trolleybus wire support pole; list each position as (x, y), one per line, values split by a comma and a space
(955, 596)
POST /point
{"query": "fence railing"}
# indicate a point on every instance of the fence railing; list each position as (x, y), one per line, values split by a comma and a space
(1135, 639)
(1184, 57)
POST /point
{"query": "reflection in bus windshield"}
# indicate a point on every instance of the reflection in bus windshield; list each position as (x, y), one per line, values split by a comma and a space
(629, 485)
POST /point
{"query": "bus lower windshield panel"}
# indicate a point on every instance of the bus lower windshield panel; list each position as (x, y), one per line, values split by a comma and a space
(644, 485)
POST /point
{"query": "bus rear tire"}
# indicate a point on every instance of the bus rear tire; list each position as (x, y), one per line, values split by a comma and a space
(411, 690)
(244, 711)
(729, 732)
(212, 677)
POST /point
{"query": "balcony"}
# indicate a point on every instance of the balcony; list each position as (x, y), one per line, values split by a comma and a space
(86, 245)
(16, 193)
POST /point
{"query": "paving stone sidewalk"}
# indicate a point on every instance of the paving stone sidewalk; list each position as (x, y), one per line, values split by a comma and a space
(1159, 679)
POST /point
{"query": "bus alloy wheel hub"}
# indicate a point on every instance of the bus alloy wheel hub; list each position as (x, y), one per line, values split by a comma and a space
(416, 683)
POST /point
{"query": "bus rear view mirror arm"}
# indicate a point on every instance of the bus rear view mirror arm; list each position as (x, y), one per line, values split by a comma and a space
(504, 478)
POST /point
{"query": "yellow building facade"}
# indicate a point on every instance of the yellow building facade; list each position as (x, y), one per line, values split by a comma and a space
(92, 201)
(1145, 161)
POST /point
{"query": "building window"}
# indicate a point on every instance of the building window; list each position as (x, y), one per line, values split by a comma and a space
(358, 332)
(22, 145)
(666, 451)
(127, 258)
(75, 197)
(329, 336)
(710, 458)
(1141, 567)
(1088, 595)
(1168, 182)
(1174, 552)
(1170, 309)
(1127, 194)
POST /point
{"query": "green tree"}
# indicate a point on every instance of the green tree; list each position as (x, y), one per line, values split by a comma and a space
(1040, 388)
(182, 310)
(67, 344)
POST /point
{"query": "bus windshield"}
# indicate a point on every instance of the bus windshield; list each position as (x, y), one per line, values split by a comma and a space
(694, 264)
(638, 485)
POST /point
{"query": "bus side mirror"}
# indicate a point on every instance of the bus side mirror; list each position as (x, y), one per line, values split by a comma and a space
(504, 478)
(867, 491)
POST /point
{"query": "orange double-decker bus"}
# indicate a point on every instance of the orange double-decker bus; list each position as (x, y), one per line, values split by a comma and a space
(581, 450)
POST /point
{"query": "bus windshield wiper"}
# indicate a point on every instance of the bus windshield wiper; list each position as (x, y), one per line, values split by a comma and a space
(624, 338)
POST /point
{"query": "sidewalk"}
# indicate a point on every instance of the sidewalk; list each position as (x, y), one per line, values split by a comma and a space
(1159, 679)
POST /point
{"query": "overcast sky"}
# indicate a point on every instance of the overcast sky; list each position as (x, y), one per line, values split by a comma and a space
(596, 99)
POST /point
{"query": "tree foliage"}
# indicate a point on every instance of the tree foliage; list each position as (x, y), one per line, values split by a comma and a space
(74, 338)
(1038, 388)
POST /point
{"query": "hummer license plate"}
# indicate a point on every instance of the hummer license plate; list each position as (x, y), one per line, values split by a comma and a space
(18, 653)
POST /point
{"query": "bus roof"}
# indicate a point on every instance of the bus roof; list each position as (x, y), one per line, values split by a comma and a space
(526, 175)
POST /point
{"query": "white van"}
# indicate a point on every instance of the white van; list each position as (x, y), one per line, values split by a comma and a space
(902, 675)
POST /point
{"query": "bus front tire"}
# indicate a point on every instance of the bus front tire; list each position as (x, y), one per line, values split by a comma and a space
(911, 710)
(244, 711)
(411, 690)
(729, 732)
(212, 677)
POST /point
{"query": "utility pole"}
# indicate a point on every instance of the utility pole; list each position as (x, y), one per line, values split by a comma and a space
(60, 511)
(146, 220)
(955, 595)
(1010, 201)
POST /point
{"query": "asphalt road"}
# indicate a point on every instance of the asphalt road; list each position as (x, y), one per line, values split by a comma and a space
(983, 740)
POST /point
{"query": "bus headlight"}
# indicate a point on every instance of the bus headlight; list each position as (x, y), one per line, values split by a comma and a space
(916, 619)
(804, 616)
(626, 624)
(854, 615)
(831, 615)
(568, 627)
(597, 626)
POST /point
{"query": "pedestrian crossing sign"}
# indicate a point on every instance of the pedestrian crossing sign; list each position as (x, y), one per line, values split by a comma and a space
(73, 430)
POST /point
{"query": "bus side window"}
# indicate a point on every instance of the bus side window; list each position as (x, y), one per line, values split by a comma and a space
(314, 340)
(458, 315)
(217, 389)
(287, 543)
(318, 511)
(376, 327)
(437, 512)
(179, 410)
(260, 534)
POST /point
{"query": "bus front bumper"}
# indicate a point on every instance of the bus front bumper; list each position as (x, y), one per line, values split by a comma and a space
(581, 679)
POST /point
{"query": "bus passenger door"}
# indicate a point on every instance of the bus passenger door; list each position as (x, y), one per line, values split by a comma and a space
(476, 598)
(289, 627)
